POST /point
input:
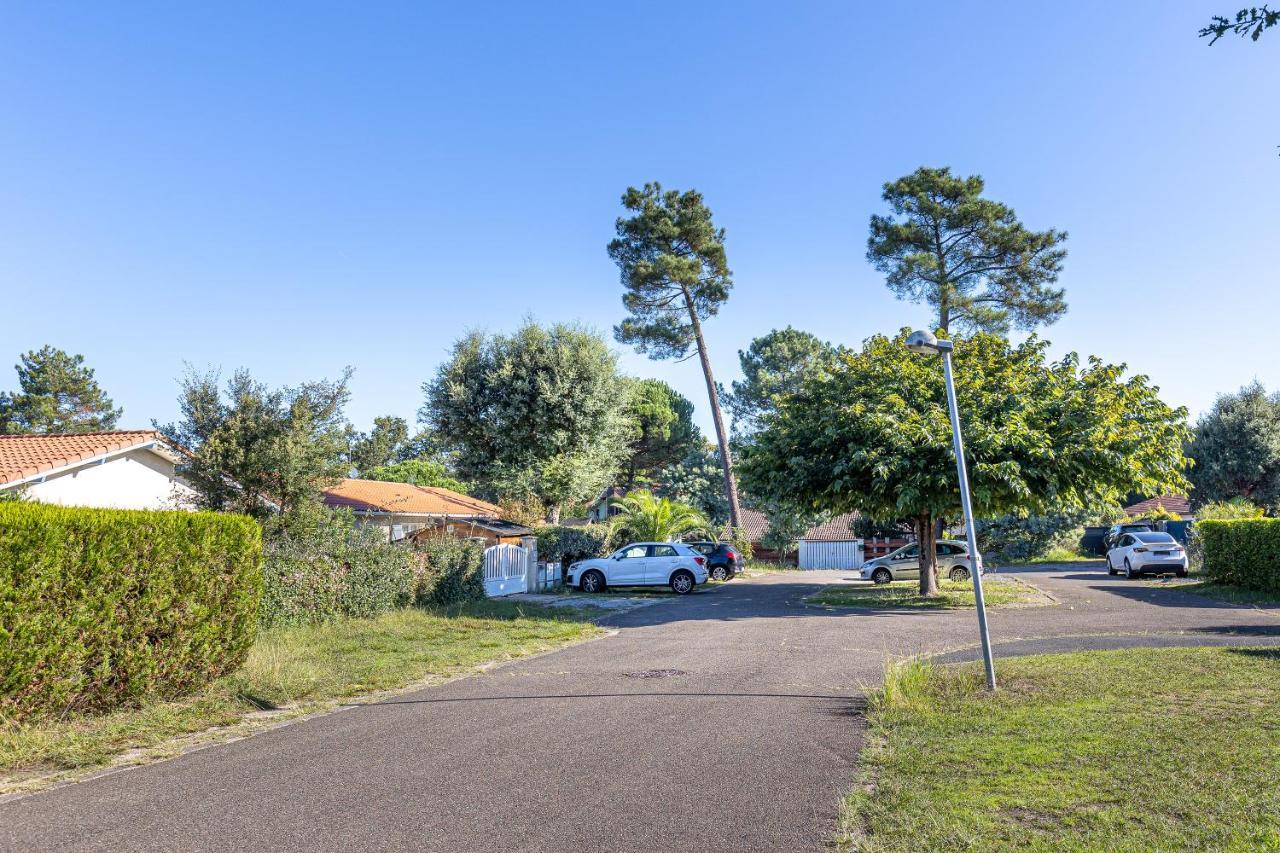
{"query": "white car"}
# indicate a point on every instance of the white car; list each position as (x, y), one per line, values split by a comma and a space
(904, 563)
(670, 564)
(1147, 552)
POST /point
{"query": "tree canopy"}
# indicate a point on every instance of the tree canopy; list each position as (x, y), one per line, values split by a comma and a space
(536, 414)
(382, 445)
(1250, 21)
(967, 257)
(417, 472)
(773, 366)
(1236, 447)
(875, 435)
(58, 393)
(643, 517)
(661, 430)
(256, 445)
(698, 481)
(675, 274)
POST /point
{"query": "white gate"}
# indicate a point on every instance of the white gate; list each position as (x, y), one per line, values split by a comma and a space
(831, 555)
(505, 570)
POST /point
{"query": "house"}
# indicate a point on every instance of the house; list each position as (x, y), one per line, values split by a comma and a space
(1177, 504)
(602, 508)
(129, 469)
(406, 511)
(831, 545)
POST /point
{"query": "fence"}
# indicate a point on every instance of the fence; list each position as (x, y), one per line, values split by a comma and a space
(506, 570)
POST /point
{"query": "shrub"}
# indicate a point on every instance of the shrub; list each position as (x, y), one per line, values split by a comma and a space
(452, 571)
(1015, 538)
(103, 607)
(322, 565)
(569, 544)
(1242, 552)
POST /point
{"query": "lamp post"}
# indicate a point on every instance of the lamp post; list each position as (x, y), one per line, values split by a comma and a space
(927, 343)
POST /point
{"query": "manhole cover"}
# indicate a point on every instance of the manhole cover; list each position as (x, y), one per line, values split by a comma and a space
(655, 673)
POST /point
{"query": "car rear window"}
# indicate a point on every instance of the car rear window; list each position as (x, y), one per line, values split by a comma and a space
(1154, 538)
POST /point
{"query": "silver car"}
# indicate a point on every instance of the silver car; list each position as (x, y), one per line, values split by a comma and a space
(904, 563)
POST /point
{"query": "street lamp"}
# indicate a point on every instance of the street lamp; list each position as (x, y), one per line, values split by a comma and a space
(927, 343)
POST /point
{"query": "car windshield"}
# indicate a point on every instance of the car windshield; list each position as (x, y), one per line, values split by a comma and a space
(1155, 538)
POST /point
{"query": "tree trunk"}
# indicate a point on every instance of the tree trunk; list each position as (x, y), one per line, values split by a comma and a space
(553, 517)
(928, 557)
(722, 437)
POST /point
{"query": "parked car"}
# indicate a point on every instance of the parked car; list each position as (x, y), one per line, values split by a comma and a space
(670, 564)
(722, 560)
(904, 563)
(1147, 552)
(1117, 530)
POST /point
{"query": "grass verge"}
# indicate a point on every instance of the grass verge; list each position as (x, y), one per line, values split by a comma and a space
(301, 668)
(1005, 592)
(1140, 749)
(1222, 592)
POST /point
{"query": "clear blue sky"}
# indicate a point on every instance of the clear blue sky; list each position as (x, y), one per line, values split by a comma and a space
(298, 187)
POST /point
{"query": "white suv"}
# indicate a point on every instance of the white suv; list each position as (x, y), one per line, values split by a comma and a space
(642, 564)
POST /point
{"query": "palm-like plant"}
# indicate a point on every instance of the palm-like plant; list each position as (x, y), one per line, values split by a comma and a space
(647, 518)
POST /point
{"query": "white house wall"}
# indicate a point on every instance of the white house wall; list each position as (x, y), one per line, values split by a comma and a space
(138, 479)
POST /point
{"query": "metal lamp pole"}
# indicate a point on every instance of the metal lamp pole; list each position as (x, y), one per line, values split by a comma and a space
(924, 342)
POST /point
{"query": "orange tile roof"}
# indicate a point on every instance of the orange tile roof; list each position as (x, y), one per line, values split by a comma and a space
(1179, 504)
(378, 496)
(24, 456)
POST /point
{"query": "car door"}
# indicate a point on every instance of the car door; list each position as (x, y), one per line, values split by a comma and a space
(1120, 551)
(629, 566)
(661, 563)
(905, 564)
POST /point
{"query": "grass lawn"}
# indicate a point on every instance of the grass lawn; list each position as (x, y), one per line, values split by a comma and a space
(1140, 749)
(997, 593)
(1058, 555)
(1222, 592)
(301, 668)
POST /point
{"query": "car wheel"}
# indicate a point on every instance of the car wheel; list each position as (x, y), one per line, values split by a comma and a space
(682, 582)
(881, 576)
(1111, 570)
(592, 581)
(1128, 570)
(720, 573)
(958, 573)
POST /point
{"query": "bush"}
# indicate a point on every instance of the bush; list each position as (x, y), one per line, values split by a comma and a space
(1016, 538)
(1242, 552)
(451, 571)
(323, 565)
(102, 607)
(569, 544)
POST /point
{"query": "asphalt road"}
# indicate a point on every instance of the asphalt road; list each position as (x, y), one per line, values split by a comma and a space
(745, 742)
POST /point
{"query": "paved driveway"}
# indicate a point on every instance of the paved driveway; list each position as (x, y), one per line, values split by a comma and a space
(746, 741)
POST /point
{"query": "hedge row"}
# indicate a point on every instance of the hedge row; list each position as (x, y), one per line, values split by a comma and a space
(102, 607)
(1242, 552)
(452, 571)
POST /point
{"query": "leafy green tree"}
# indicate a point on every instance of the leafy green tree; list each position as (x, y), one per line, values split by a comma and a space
(676, 275)
(58, 394)
(417, 472)
(773, 366)
(662, 431)
(256, 446)
(381, 446)
(967, 257)
(786, 524)
(1250, 21)
(644, 517)
(1236, 447)
(537, 414)
(875, 436)
(1229, 510)
(698, 480)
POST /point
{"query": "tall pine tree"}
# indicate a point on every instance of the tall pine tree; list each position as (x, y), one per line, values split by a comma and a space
(58, 394)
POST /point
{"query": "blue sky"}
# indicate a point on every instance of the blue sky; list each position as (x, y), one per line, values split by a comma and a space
(298, 187)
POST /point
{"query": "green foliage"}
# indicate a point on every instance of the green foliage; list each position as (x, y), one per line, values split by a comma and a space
(967, 257)
(540, 413)
(567, 545)
(646, 518)
(1236, 447)
(787, 523)
(259, 446)
(1250, 21)
(380, 447)
(417, 472)
(697, 480)
(661, 430)
(1242, 552)
(100, 607)
(1228, 510)
(1157, 514)
(58, 394)
(453, 571)
(1018, 537)
(773, 366)
(319, 565)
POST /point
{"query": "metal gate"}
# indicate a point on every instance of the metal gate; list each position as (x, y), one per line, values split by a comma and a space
(505, 570)
(831, 555)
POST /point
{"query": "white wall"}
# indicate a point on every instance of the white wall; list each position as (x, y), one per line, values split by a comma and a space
(138, 479)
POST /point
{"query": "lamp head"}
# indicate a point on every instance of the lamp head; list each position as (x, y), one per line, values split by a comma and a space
(923, 342)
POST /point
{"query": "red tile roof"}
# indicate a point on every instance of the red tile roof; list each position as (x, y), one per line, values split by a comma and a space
(838, 529)
(1179, 504)
(24, 456)
(379, 496)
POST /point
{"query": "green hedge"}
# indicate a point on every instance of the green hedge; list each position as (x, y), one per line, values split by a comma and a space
(1242, 552)
(103, 607)
(452, 571)
(558, 544)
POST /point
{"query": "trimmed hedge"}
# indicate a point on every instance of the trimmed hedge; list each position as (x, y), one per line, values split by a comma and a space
(102, 607)
(1242, 552)
(452, 571)
(558, 544)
